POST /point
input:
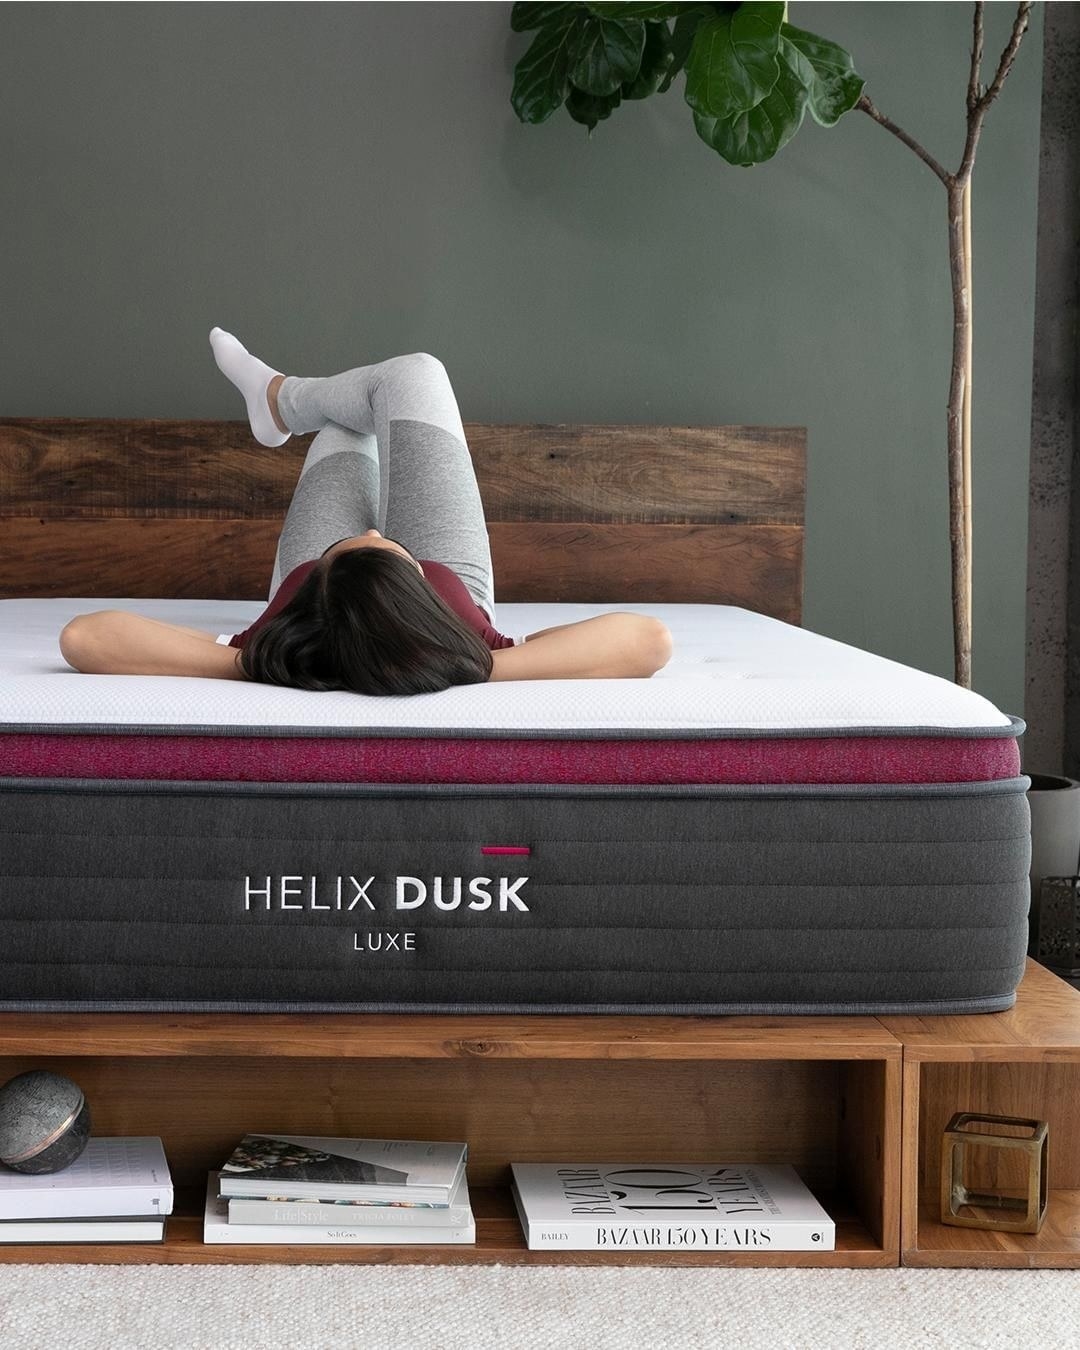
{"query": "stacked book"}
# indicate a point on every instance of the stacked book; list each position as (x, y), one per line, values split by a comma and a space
(289, 1189)
(668, 1207)
(116, 1190)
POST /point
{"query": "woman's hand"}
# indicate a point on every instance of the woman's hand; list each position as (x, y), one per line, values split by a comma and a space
(113, 642)
(611, 646)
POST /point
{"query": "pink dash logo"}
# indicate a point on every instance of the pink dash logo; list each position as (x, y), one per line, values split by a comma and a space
(504, 850)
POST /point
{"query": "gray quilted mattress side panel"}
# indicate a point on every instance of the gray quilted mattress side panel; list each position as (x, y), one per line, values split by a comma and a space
(696, 900)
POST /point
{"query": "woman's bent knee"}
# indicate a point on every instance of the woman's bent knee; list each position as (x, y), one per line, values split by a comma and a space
(420, 364)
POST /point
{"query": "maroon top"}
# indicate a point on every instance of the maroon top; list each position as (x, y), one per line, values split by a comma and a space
(445, 583)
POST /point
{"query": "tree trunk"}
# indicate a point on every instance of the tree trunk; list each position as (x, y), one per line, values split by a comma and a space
(959, 431)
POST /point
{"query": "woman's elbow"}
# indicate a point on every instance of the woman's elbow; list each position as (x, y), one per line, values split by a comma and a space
(73, 641)
(655, 645)
(83, 640)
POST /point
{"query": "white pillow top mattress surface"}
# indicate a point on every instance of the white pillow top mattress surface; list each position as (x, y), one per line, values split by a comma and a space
(732, 671)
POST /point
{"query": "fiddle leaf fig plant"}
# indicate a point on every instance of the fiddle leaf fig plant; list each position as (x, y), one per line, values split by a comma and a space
(750, 79)
(750, 75)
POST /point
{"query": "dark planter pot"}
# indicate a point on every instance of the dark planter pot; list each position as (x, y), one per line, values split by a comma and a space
(1055, 836)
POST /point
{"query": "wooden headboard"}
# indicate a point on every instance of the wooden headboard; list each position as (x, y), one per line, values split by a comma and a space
(615, 514)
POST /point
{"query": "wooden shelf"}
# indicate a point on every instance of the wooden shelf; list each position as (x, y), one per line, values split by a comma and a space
(1056, 1244)
(1042, 1027)
(1023, 1062)
(498, 1241)
(378, 1036)
(822, 1093)
(857, 1104)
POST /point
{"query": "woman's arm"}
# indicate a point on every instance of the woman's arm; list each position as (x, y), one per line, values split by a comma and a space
(611, 646)
(113, 642)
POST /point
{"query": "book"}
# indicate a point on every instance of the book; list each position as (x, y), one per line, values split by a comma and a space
(668, 1207)
(217, 1228)
(356, 1213)
(307, 1167)
(111, 1177)
(140, 1228)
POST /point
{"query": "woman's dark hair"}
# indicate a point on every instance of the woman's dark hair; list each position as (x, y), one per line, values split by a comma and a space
(365, 620)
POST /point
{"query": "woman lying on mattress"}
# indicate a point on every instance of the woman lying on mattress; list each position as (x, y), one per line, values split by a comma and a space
(383, 581)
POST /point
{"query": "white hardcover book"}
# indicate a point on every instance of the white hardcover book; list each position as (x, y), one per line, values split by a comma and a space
(310, 1167)
(34, 1231)
(357, 1213)
(217, 1228)
(112, 1176)
(668, 1207)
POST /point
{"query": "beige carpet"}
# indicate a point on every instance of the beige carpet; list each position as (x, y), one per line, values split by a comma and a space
(532, 1308)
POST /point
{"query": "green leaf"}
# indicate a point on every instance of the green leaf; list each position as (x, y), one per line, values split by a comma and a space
(541, 83)
(606, 53)
(591, 108)
(523, 17)
(682, 38)
(654, 62)
(733, 63)
(836, 86)
(756, 134)
(643, 11)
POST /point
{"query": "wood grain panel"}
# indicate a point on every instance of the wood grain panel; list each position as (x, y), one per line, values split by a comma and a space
(1047, 1092)
(600, 514)
(140, 558)
(470, 1036)
(870, 1143)
(641, 473)
(1042, 1091)
(60, 467)
(757, 566)
(71, 467)
(508, 1110)
(1043, 1025)
(1057, 1243)
(910, 1106)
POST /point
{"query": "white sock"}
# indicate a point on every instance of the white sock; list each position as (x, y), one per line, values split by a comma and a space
(251, 376)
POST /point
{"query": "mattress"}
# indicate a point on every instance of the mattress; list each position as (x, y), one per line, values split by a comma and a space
(777, 822)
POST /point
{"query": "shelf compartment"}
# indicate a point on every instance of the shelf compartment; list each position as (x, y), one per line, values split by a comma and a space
(1024, 1062)
(835, 1119)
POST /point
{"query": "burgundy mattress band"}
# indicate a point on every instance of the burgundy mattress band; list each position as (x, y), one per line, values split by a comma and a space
(819, 759)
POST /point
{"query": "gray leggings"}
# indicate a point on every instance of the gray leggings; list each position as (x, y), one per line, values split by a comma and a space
(390, 455)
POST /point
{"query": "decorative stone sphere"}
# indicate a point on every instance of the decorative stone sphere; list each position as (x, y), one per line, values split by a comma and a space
(44, 1122)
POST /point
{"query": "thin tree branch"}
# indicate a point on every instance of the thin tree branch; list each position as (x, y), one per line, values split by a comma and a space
(978, 112)
(1019, 28)
(974, 92)
(865, 105)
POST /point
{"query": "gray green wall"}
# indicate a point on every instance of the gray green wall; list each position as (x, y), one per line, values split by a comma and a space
(338, 183)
